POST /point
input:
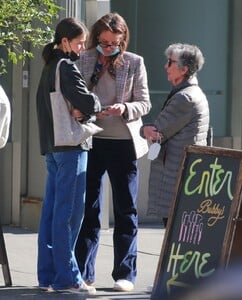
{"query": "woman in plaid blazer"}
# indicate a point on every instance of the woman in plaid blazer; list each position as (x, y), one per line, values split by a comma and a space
(119, 79)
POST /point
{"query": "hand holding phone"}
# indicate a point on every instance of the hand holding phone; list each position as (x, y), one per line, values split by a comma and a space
(106, 107)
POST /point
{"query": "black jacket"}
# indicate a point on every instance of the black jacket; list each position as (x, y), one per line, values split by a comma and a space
(74, 88)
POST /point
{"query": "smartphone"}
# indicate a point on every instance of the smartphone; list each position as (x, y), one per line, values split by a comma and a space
(106, 107)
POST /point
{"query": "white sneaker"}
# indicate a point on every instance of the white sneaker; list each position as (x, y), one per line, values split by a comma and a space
(149, 288)
(45, 288)
(123, 285)
(80, 289)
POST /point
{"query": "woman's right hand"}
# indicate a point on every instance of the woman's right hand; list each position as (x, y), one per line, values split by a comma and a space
(104, 113)
(77, 114)
(151, 133)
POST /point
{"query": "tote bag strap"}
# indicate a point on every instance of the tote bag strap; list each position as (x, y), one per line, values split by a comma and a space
(57, 73)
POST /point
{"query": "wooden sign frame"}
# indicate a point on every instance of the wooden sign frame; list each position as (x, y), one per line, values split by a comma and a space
(201, 234)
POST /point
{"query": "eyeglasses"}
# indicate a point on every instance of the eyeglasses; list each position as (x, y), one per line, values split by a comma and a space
(171, 61)
(111, 46)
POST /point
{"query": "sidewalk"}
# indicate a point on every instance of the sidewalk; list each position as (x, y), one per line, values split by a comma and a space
(21, 247)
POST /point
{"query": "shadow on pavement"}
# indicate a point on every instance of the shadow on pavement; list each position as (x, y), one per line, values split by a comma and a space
(36, 294)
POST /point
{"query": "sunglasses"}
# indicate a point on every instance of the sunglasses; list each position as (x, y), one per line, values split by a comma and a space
(171, 61)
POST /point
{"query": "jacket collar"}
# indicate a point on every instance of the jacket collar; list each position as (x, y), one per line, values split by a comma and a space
(122, 71)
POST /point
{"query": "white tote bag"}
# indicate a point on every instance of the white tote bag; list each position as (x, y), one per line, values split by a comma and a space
(67, 130)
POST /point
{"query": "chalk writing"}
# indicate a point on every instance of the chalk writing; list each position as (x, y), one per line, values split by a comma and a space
(209, 207)
(211, 182)
(191, 228)
(175, 283)
(181, 263)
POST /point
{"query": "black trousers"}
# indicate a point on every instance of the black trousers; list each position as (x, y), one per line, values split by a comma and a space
(117, 158)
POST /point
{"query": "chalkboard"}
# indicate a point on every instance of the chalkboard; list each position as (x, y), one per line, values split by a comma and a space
(201, 226)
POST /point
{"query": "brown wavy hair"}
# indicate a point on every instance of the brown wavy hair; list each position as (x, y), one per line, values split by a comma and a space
(110, 22)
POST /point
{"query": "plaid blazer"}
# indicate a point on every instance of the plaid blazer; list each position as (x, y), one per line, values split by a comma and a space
(131, 89)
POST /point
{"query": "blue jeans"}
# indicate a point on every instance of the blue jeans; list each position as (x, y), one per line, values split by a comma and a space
(117, 157)
(61, 218)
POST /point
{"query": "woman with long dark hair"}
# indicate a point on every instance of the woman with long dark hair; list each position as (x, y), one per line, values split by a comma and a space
(63, 204)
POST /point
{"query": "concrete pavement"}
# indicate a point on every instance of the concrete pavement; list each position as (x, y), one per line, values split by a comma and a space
(21, 247)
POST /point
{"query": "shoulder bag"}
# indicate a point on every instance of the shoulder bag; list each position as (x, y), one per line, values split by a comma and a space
(67, 130)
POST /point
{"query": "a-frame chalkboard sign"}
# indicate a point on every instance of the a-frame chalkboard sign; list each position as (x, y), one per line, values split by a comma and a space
(204, 229)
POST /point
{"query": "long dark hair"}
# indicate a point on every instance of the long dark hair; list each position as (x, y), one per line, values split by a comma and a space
(69, 28)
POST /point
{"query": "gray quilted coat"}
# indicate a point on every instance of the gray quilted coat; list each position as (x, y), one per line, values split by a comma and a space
(183, 121)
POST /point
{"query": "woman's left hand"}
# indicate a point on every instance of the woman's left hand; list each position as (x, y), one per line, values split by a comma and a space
(115, 110)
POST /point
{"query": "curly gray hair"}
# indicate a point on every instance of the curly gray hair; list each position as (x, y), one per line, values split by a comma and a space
(186, 55)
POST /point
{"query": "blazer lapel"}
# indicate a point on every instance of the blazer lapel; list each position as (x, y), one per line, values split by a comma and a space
(122, 70)
(121, 78)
